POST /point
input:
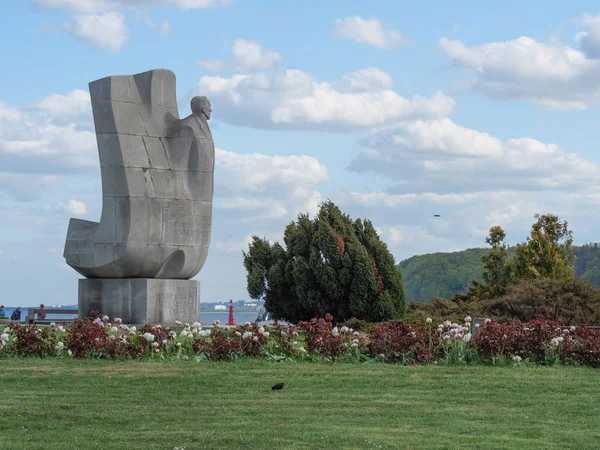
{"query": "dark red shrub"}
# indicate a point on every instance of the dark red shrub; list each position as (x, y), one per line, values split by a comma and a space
(526, 340)
(321, 339)
(31, 341)
(400, 342)
(581, 345)
(86, 336)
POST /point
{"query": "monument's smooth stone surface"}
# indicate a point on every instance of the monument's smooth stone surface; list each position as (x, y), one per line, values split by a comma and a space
(157, 183)
(141, 300)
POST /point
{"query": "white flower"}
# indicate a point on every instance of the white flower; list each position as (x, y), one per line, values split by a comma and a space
(477, 325)
(572, 328)
(6, 330)
(467, 337)
(428, 320)
(155, 344)
(183, 333)
(60, 329)
(172, 334)
(157, 350)
(301, 349)
(118, 321)
(186, 325)
(164, 341)
(52, 324)
(148, 337)
(178, 323)
(554, 342)
(179, 344)
(560, 339)
(134, 329)
(261, 330)
(196, 325)
(190, 336)
(266, 334)
(105, 318)
(204, 333)
(468, 319)
(354, 344)
(516, 358)
(112, 337)
(238, 334)
(246, 334)
(344, 329)
(4, 336)
(60, 344)
(70, 352)
(247, 323)
(487, 321)
(255, 338)
(335, 331)
(114, 329)
(132, 333)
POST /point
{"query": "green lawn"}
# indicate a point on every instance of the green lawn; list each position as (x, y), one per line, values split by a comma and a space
(70, 404)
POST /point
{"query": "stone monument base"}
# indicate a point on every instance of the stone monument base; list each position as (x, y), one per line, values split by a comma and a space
(141, 300)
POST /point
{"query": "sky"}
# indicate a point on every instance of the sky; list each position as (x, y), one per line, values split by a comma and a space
(482, 112)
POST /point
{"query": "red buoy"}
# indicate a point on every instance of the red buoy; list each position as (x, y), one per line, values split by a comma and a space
(231, 321)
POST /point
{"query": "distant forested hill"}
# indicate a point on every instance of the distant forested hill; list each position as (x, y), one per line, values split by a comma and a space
(441, 274)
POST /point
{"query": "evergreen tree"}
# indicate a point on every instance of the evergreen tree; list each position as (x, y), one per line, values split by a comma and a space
(329, 265)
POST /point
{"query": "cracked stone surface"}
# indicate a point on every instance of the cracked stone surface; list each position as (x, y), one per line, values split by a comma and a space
(157, 183)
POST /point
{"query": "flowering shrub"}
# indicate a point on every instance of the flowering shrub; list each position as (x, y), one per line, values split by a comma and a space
(537, 339)
(581, 345)
(85, 337)
(540, 341)
(31, 341)
(324, 339)
(400, 342)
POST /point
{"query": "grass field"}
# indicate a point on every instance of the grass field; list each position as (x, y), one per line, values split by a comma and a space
(70, 404)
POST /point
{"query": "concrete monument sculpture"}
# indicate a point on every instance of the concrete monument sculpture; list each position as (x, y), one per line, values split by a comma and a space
(157, 186)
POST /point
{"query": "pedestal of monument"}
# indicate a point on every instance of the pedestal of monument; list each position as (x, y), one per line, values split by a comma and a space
(141, 300)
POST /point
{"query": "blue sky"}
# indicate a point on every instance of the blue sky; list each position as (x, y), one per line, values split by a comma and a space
(485, 113)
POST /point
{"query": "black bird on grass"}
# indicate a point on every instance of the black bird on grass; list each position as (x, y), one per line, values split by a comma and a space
(277, 386)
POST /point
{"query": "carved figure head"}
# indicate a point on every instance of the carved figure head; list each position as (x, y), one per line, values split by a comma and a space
(201, 106)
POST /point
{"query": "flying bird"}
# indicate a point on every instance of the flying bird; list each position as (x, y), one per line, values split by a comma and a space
(277, 386)
(436, 215)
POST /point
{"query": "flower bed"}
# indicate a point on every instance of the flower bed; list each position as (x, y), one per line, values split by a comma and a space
(540, 341)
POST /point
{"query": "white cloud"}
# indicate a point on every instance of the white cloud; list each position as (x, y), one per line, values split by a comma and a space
(258, 186)
(293, 99)
(25, 187)
(73, 207)
(554, 75)
(247, 56)
(369, 31)
(94, 6)
(163, 29)
(106, 31)
(76, 105)
(589, 39)
(441, 156)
